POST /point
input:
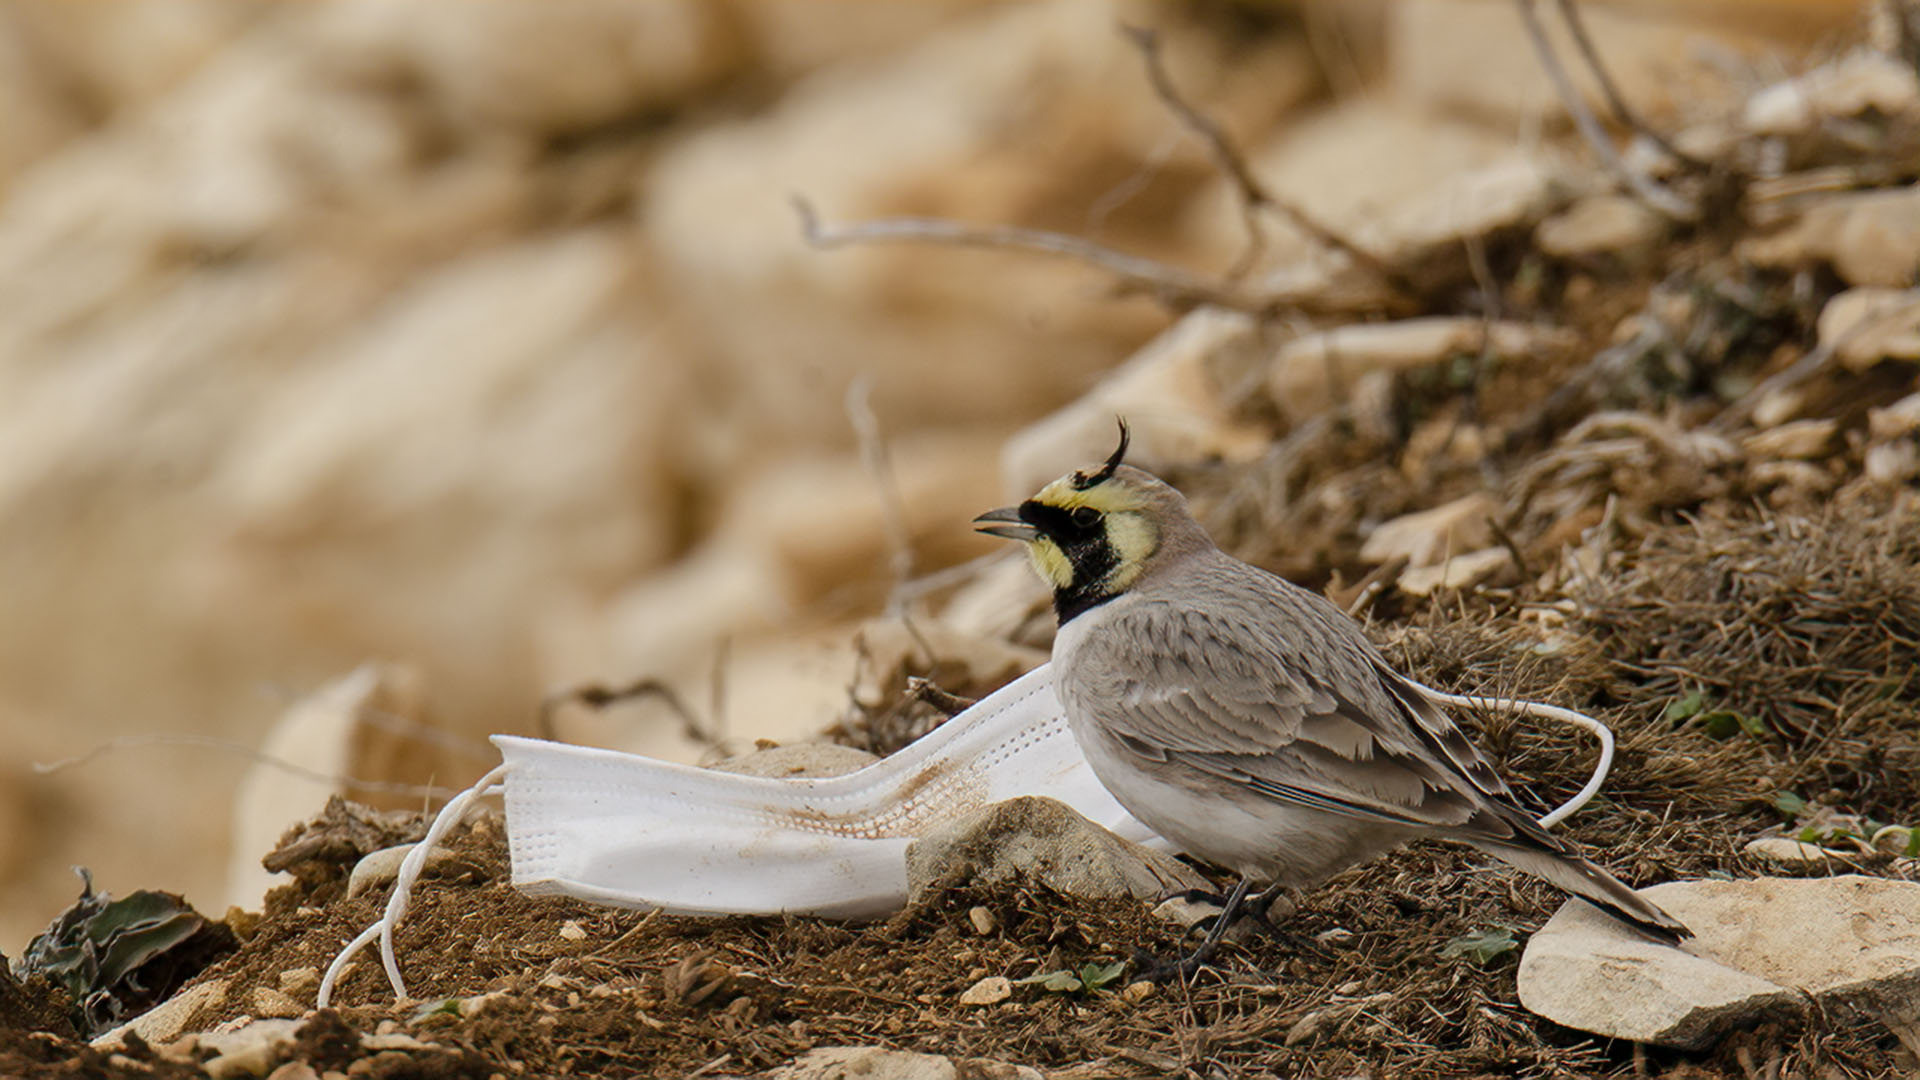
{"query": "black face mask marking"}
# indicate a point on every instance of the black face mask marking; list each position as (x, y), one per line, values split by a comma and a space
(1083, 539)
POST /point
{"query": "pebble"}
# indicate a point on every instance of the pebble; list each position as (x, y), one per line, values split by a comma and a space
(982, 920)
(991, 990)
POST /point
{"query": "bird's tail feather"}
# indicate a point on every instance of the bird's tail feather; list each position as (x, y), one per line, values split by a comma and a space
(1568, 871)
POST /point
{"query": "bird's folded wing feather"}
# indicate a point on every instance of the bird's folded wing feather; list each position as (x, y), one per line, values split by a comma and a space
(1205, 692)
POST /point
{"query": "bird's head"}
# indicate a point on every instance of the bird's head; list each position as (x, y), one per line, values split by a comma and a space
(1092, 533)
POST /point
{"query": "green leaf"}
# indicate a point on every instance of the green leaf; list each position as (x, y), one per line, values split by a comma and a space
(448, 1006)
(1720, 725)
(1055, 982)
(1913, 843)
(1682, 708)
(1789, 803)
(1095, 976)
(1482, 946)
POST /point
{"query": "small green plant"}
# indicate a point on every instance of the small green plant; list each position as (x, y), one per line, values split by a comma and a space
(1482, 946)
(1091, 976)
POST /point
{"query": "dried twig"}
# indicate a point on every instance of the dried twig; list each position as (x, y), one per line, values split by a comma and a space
(1642, 187)
(1252, 195)
(1172, 286)
(598, 696)
(1623, 114)
(240, 749)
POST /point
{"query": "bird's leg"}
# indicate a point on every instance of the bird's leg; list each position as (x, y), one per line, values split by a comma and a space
(1159, 971)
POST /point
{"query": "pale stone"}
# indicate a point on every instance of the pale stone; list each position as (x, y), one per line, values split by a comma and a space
(333, 732)
(1762, 949)
(788, 39)
(1474, 57)
(268, 1003)
(1460, 572)
(1787, 850)
(1798, 439)
(1306, 371)
(1864, 326)
(1347, 164)
(539, 67)
(947, 128)
(183, 1012)
(880, 1063)
(1170, 393)
(1034, 838)
(991, 990)
(982, 920)
(1425, 537)
(798, 760)
(378, 869)
(294, 1070)
(249, 1049)
(1601, 225)
(1893, 462)
(1846, 87)
(1870, 237)
(1900, 418)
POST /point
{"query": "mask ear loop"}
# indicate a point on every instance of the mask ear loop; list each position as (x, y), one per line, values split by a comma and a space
(1550, 712)
(450, 815)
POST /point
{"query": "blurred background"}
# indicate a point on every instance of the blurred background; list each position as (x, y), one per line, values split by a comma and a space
(479, 343)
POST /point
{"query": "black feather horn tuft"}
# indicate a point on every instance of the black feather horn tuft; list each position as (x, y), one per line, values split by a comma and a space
(1082, 481)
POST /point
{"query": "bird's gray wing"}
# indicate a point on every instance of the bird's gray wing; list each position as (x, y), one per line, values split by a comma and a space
(1331, 727)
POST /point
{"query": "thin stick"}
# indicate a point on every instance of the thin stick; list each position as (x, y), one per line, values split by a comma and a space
(1253, 196)
(1623, 113)
(209, 742)
(1173, 286)
(1643, 188)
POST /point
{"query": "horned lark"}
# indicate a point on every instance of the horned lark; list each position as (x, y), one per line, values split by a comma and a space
(1249, 721)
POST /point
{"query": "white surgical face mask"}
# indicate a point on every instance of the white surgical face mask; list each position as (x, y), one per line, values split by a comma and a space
(620, 829)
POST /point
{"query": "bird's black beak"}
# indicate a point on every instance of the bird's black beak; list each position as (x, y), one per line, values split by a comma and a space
(1005, 523)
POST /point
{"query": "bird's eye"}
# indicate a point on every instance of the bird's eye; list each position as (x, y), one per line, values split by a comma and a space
(1086, 517)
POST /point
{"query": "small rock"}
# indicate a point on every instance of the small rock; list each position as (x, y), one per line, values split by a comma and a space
(171, 1018)
(380, 868)
(393, 1040)
(880, 1063)
(1762, 948)
(991, 990)
(1136, 992)
(268, 1003)
(982, 920)
(300, 980)
(1847, 87)
(1799, 439)
(1788, 851)
(1896, 420)
(571, 930)
(1866, 325)
(1870, 237)
(1428, 536)
(1892, 462)
(1616, 225)
(1042, 840)
(249, 1050)
(1459, 572)
(1302, 377)
(1171, 394)
(294, 1070)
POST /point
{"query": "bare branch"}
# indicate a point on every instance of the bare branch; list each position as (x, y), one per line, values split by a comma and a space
(1623, 114)
(1642, 188)
(240, 749)
(1176, 288)
(1253, 196)
(599, 696)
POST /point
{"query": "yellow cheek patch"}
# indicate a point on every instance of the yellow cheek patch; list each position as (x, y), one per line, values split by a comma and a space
(1050, 562)
(1133, 540)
